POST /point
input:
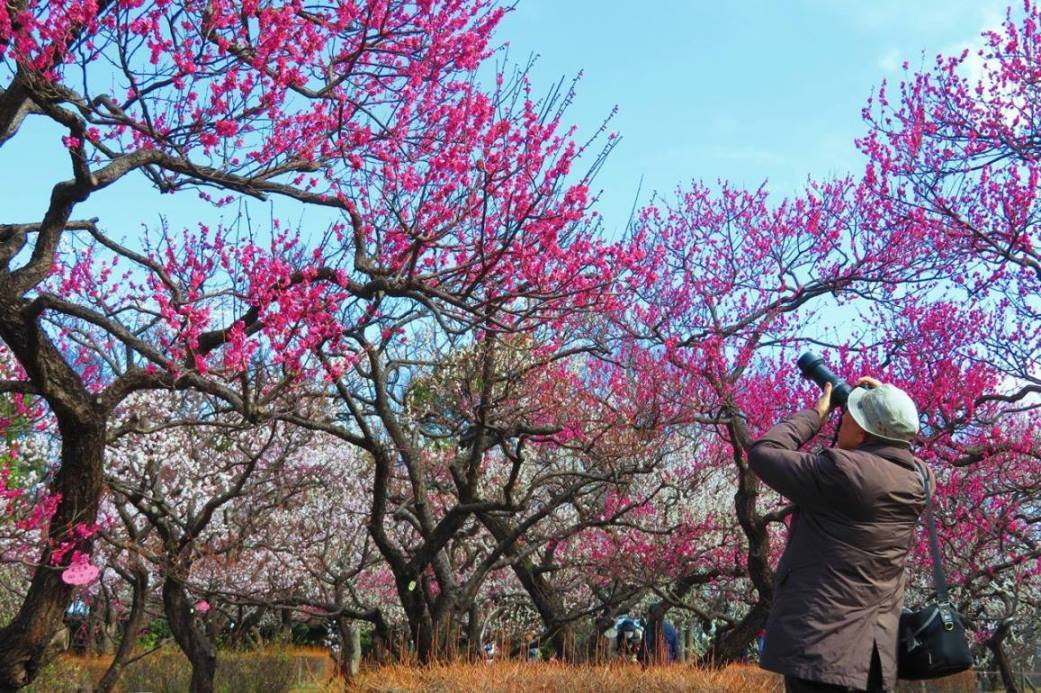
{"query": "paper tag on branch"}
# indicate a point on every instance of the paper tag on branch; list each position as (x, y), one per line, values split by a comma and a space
(80, 574)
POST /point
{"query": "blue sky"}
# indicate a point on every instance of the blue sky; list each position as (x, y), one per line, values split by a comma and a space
(747, 91)
(744, 91)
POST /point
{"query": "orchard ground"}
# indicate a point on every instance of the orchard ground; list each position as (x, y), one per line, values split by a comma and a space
(311, 670)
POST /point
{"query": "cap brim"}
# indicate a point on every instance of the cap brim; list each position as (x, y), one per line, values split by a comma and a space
(853, 406)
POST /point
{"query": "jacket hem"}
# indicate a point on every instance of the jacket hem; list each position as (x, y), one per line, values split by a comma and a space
(811, 673)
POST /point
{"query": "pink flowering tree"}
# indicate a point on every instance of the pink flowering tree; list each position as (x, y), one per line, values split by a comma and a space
(304, 554)
(570, 482)
(953, 159)
(530, 402)
(219, 526)
(337, 107)
(652, 524)
(469, 238)
(728, 281)
(204, 485)
(445, 415)
(736, 287)
(131, 590)
(919, 273)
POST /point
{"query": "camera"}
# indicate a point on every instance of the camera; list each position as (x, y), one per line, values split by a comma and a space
(814, 368)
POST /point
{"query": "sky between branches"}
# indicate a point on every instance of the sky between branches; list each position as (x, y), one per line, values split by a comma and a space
(746, 91)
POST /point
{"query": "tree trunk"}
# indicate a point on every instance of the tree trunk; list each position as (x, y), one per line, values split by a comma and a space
(381, 641)
(420, 620)
(423, 638)
(473, 633)
(350, 648)
(996, 645)
(732, 644)
(245, 625)
(285, 627)
(654, 649)
(563, 640)
(23, 642)
(91, 631)
(109, 630)
(135, 621)
(544, 596)
(189, 636)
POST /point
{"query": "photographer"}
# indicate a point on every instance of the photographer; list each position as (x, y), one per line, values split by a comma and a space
(839, 586)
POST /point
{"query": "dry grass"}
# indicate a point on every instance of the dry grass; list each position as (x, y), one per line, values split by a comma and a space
(525, 676)
(266, 670)
(310, 670)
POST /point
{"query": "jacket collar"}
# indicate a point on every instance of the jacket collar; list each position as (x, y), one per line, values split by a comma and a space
(894, 452)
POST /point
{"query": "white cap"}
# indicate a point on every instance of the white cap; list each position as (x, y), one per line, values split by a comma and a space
(885, 411)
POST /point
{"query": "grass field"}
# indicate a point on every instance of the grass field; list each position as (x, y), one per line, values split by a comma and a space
(502, 677)
(524, 676)
(302, 670)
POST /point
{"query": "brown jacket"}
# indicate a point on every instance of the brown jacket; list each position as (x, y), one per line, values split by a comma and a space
(839, 586)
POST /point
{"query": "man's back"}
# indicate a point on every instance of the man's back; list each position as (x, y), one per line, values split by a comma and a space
(839, 585)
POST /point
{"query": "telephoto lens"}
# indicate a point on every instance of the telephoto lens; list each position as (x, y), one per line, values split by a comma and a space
(814, 368)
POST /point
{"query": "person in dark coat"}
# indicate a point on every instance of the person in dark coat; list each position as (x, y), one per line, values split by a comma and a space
(661, 641)
(839, 585)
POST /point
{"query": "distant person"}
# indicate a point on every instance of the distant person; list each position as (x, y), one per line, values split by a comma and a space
(839, 585)
(661, 641)
(627, 635)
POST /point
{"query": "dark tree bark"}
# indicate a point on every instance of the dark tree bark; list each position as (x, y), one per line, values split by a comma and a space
(349, 661)
(473, 633)
(109, 626)
(285, 626)
(189, 636)
(420, 623)
(544, 597)
(733, 643)
(382, 639)
(995, 643)
(138, 578)
(24, 641)
(245, 625)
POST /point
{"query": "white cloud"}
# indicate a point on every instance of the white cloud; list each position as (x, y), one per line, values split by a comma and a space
(973, 68)
(989, 16)
(890, 60)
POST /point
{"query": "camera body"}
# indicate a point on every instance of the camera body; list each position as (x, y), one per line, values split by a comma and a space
(814, 368)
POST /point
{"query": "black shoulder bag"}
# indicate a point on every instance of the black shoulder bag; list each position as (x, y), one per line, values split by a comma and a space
(932, 640)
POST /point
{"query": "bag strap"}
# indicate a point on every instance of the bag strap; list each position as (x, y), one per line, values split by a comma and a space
(939, 581)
